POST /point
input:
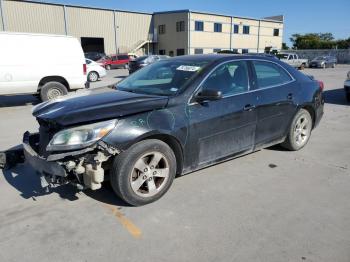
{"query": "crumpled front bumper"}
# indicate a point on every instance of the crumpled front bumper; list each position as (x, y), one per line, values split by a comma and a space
(83, 168)
(39, 163)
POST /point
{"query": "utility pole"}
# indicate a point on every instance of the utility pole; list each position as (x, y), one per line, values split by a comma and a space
(2, 15)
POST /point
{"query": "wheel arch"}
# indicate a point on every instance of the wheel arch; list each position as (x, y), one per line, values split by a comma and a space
(311, 111)
(54, 78)
(174, 144)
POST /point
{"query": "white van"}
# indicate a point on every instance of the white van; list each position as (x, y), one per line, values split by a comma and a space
(48, 65)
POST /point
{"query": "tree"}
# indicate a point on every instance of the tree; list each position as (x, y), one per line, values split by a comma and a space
(284, 46)
(318, 41)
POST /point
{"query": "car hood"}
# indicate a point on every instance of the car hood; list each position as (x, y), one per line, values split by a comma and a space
(94, 106)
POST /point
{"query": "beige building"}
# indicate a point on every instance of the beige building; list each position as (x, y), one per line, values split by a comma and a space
(116, 31)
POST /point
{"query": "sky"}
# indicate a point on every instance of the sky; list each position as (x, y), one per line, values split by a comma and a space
(301, 16)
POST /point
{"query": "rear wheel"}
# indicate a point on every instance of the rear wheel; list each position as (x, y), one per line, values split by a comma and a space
(144, 172)
(52, 90)
(333, 65)
(302, 67)
(108, 67)
(126, 66)
(299, 131)
(93, 76)
(348, 97)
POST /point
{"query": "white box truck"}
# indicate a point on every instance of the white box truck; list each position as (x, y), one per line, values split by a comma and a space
(47, 65)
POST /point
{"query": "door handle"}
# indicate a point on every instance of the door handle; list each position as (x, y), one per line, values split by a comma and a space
(249, 107)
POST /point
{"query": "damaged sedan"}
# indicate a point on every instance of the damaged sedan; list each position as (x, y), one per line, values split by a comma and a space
(171, 118)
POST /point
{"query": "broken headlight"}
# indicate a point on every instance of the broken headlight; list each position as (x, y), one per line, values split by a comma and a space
(80, 137)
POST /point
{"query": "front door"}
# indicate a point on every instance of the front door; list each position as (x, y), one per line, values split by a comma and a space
(226, 126)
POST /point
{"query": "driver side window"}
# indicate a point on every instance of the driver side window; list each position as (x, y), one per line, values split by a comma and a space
(230, 78)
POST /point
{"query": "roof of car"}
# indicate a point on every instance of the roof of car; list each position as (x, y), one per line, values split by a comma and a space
(219, 57)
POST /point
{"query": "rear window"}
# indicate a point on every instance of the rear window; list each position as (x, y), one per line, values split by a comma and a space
(270, 74)
(123, 57)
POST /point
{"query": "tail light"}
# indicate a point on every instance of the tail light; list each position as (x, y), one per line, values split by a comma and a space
(321, 84)
(84, 69)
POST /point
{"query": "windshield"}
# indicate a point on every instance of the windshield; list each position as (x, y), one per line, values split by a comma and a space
(320, 58)
(282, 56)
(165, 77)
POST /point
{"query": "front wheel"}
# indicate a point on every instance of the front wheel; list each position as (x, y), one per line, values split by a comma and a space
(144, 172)
(299, 132)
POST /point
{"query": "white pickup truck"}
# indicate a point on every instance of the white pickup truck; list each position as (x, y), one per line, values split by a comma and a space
(293, 60)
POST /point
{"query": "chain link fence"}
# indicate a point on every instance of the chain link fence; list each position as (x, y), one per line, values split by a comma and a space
(343, 55)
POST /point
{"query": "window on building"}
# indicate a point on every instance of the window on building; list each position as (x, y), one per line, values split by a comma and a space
(180, 51)
(180, 26)
(246, 29)
(217, 27)
(161, 51)
(198, 25)
(236, 29)
(161, 29)
(276, 32)
(198, 51)
(270, 74)
(215, 50)
(245, 51)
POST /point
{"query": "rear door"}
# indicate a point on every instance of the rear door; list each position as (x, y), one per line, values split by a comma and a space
(275, 91)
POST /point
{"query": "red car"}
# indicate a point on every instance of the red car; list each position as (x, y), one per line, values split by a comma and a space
(115, 61)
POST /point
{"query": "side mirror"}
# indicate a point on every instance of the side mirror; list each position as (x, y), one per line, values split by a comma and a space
(208, 95)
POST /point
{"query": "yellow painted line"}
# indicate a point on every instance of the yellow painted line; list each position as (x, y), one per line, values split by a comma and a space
(130, 226)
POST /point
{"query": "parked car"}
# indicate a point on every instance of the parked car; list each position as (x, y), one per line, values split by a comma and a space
(293, 60)
(115, 61)
(142, 61)
(347, 87)
(94, 56)
(45, 65)
(233, 52)
(171, 118)
(323, 62)
(94, 70)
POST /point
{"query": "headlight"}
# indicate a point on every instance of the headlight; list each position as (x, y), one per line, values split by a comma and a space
(80, 137)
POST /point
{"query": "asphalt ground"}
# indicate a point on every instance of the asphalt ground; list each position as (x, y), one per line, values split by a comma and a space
(272, 205)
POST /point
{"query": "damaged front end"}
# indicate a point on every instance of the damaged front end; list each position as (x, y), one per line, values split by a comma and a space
(83, 168)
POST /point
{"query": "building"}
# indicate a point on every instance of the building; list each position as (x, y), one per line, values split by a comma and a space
(117, 31)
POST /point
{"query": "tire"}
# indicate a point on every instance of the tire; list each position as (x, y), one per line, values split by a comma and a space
(348, 97)
(52, 90)
(297, 138)
(333, 65)
(324, 66)
(93, 76)
(108, 67)
(126, 66)
(132, 175)
(302, 67)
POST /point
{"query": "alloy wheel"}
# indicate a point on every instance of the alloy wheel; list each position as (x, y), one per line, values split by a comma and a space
(149, 174)
(302, 130)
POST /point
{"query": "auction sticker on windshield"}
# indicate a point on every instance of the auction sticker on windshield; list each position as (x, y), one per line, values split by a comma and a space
(188, 68)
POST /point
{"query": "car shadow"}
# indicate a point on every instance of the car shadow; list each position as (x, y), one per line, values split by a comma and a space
(121, 77)
(335, 96)
(27, 182)
(18, 100)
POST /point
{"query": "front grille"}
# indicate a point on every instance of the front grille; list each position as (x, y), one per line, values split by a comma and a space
(45, 135)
